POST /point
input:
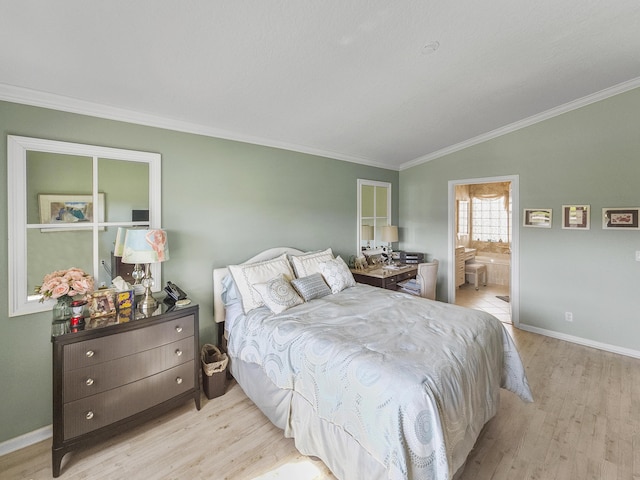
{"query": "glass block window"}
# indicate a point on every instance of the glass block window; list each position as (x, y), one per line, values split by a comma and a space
(490, 220)
(463, 217)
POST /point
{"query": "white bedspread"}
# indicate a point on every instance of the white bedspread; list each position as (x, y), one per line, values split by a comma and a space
(412, 380)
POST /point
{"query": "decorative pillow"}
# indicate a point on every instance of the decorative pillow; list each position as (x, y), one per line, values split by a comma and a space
(246, 275)
(337, 274)
(278, 294)
(307, 263)
(310, 287)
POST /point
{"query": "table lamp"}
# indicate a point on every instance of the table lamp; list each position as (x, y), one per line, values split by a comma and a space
(390, 235)
(118, 250)
(146, 246)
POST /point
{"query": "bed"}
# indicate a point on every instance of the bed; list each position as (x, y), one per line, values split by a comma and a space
(378, 384)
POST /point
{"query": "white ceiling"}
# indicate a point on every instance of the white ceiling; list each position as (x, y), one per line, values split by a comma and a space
(349, 79)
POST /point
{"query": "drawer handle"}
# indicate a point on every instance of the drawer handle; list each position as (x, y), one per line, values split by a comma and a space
(178, 329)
(90, 353)
(178, 352)
(89, 382)
(179, 380)
(89, 415)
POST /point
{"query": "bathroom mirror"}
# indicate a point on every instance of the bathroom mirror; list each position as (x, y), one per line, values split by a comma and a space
(66, 202)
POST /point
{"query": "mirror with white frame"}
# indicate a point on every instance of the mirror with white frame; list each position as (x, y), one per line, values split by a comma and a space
(108, 183)
(374, 212)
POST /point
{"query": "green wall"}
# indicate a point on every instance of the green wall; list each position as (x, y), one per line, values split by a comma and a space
(587, 156)
(222, 201)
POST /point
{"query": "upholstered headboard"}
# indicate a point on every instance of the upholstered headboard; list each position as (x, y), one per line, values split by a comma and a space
(220, 273)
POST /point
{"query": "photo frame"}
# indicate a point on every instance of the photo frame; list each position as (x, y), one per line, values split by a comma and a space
(576, 217)
(537, 217)
(68, 209)
(621, 218)
(102, 303)
(124, 299)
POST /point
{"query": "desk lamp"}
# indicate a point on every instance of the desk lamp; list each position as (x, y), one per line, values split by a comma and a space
(390, 235)
(146, 246)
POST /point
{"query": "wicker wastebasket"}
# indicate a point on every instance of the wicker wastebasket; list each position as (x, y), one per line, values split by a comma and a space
(214, 370)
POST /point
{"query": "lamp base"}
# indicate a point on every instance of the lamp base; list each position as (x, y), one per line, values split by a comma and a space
(147, 304)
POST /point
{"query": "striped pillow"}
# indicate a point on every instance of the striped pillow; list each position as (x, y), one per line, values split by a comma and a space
(311, 287)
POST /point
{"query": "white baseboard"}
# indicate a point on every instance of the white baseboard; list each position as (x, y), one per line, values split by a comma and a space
(25, 440)
(581, 341)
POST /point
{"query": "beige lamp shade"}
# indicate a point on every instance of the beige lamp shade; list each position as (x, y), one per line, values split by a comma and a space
(145, 246)
(366, 232)
(118, 249)
(390, 233)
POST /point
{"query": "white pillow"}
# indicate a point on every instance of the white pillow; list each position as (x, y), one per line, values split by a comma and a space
(278, 294)
(307, 263)
(337, 274)
(246, 275)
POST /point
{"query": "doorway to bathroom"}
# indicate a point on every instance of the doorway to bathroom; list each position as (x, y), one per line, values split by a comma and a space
(483, 245)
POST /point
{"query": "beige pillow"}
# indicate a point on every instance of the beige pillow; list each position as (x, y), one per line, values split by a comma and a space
(307, 263)
(246, 275)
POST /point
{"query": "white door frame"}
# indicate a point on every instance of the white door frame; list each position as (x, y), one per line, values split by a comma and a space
(514, 283)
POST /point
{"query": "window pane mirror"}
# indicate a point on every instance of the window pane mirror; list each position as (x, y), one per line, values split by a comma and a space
(107, 188)
(374, 212)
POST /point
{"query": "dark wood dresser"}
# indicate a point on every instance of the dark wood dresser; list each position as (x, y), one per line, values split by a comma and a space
(110, 377)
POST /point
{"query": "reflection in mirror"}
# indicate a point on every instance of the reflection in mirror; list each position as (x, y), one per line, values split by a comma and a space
(50, 251)
(74, 197)
(128, 187)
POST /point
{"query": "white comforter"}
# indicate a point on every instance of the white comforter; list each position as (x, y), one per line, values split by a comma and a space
(412, 380)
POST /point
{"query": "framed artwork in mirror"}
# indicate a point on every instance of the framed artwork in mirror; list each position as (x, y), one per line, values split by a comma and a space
(620, 218)
(69, 209)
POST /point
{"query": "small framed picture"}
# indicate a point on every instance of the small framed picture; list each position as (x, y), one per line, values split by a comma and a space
(576, 217)
(620, 218)
(537, 217)
(102, 303)
(124, 299)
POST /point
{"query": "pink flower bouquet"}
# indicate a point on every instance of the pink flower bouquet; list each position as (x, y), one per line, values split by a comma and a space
(71, 282)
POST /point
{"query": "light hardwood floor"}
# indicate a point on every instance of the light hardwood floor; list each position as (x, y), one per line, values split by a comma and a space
(584, 424)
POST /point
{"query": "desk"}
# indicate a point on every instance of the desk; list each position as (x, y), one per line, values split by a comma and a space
(385, 278)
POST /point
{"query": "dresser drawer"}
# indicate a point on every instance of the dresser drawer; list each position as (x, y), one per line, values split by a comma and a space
(103, 349)
(405, 276)
(86, 381)
(105, 408)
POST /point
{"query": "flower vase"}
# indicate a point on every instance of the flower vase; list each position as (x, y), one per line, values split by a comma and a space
(62, 309)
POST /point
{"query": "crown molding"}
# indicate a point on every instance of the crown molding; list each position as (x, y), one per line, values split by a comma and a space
(540, 117)
(52, 101)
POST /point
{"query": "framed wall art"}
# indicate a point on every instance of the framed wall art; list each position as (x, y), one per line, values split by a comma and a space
(537, 217)
(576, 217)
(620, 218)
(68, 209)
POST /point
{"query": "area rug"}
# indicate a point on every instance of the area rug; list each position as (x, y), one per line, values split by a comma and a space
(503, 297)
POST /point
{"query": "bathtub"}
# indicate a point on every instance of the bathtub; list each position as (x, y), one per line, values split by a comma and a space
(498, 267)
